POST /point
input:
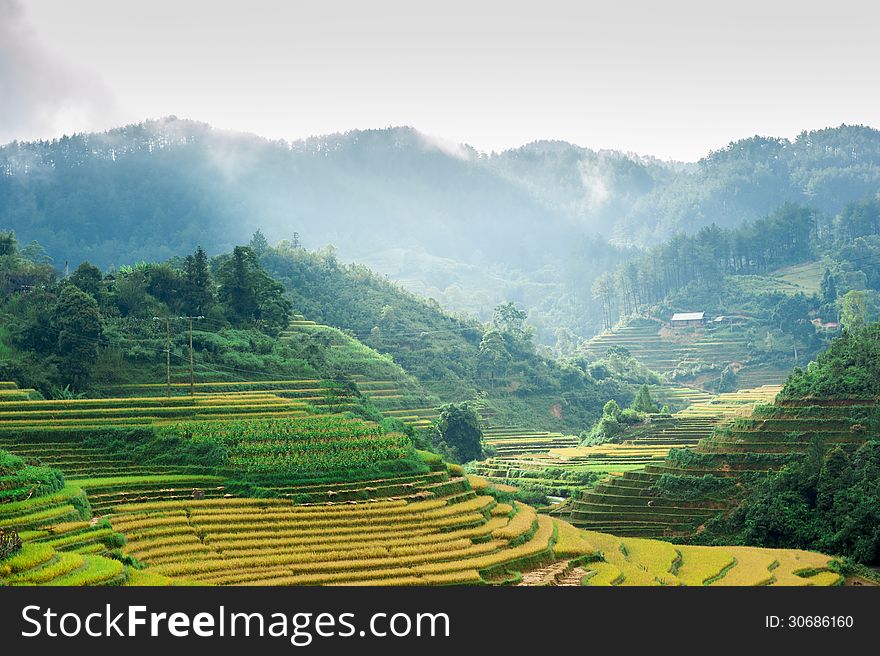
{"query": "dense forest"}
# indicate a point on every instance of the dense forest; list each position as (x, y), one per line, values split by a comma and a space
(530, 225)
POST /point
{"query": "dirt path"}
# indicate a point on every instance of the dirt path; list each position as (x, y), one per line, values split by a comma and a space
(560, 573)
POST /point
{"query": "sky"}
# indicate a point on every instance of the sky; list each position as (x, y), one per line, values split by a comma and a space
(673, 79)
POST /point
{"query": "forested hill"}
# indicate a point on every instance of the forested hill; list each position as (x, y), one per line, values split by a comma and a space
(147, 191)
(435, 346)
(452, 356)
(469, 229)
(143, 187)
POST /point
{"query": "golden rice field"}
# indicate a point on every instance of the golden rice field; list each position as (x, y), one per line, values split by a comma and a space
(391, 542)
(600, 559)
(462, 538)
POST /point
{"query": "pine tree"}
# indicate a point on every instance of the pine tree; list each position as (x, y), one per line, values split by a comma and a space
(259, 244)
(199, 286)
(643, 401)
(237, 291)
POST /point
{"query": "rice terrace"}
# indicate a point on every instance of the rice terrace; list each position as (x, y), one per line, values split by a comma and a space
(380, 358)
(181, 423)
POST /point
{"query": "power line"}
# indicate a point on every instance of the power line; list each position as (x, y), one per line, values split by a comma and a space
(168, 350)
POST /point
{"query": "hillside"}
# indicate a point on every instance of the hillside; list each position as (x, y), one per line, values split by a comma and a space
(698, 356)
(521, 225)
(798, 472)
(452, 356)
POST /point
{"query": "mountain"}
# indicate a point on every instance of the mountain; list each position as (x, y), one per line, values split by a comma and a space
(468, 228)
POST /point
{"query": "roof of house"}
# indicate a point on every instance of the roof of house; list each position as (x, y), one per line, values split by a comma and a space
(688, 316)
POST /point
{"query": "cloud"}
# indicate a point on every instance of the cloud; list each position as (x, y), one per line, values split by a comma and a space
(445, 146)
(42, 96)
(597, 182)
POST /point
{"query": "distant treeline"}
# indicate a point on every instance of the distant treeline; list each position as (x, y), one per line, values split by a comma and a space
(789, 235)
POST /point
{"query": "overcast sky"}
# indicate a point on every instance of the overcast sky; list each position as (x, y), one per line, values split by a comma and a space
(671, 78)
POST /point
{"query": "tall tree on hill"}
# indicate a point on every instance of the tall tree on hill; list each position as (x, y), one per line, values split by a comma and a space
(237, 290)
(259, 244)
(199, 293)
(854, 313)
(510, 321)
(494, 356)
(458, 430)
(77, 322)
(250, 295)
(8, 244)
(643, 401)
(88, 278)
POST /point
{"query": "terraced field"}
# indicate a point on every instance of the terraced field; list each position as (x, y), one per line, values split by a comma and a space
(378, 378)
(438, 531)
(665, 349)
(679, 397)
(564, 470)
(54, 416)
(636, 561)
(40, 564)
(510, 441)
(803, 278)
(76, 460)
(458, 537)
(632, 505)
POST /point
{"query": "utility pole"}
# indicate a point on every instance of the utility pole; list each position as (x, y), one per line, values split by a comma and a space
(167, 321)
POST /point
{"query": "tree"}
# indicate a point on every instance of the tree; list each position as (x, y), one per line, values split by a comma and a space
(199, 291)
(727, 381)
(167, 285)
(854, 313)
(35, 253)
(511, 323)
(507, 318)
(493, 355)
(8, 244)
(259, 244)
(458, 429)
(338, 391)
(789, 311)
(643, 401)
(237, 290)
(250, 295)
(88, 278)
(828, 288)
(611, 409)
(131, 293)
(77, 322)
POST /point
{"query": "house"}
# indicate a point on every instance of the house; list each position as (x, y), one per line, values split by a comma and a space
(683, 319)
(831, 325)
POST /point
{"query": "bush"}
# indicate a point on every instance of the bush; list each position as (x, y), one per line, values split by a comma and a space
(10, 543)
(21, 481)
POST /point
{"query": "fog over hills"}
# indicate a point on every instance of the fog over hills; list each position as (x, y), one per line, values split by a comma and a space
(471, 229)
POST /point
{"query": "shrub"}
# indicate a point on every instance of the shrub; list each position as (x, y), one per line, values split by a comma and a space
(10, 543)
